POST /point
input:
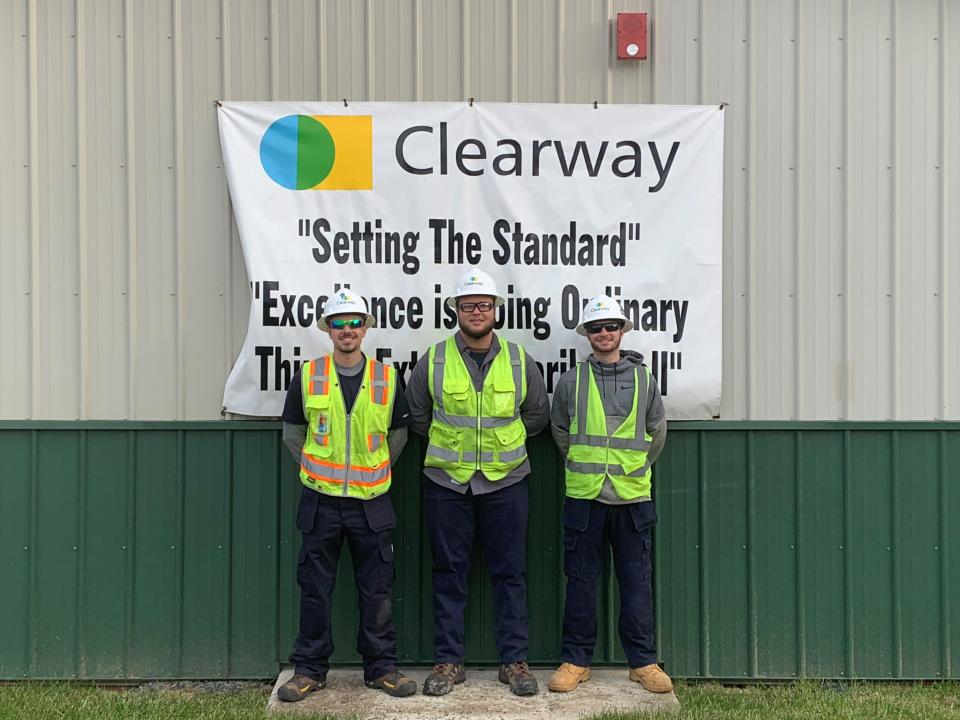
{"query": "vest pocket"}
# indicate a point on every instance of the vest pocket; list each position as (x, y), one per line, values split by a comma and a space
(374, 441)
(510, 436)
(503, 398)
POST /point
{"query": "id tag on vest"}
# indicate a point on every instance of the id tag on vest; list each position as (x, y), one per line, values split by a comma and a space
(323, 424)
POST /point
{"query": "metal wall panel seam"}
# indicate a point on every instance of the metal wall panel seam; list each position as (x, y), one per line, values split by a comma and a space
(228, 569)
(847, 561)
(79, 661)
(607, 62)
(273, 49)
(133, 286)
(798, 228)
(700, 58)
(846, 278)
(944, 558)
(894, 214)
(32, 620)
(944, 218)
(130, 548)
(748, 217)
(512, 19)
(225, 93)
(799, 543)
(561, 59)
(369, 78)
(178, 204)
(33, 95)
(752, 642)
(465, 90)
(702, 537)
(418, 50)
(83, 308)
(895, 561)
(321, 32)
(180, 532)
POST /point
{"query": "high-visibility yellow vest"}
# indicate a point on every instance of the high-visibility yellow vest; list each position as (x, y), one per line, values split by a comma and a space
(346, 454)
(594, 454)
(474, 431)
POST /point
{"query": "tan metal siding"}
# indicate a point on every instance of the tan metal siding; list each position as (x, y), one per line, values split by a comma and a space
(122, 287)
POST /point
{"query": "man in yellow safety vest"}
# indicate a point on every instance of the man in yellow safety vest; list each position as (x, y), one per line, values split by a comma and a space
(609, 424)
(344, 420)
(477, 397)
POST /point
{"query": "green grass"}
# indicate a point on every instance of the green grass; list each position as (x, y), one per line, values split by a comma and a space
(40, 701)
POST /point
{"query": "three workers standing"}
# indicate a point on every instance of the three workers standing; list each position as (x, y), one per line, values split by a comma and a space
(476, 397)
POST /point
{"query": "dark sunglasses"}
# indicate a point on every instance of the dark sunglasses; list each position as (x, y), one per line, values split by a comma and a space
(354, 324)
(485, 306)
(594, 328)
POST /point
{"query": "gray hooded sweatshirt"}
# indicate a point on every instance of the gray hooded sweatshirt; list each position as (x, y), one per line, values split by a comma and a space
(615, 382)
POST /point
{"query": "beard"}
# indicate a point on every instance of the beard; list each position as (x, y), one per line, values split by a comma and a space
(477, 333)
(605, 346)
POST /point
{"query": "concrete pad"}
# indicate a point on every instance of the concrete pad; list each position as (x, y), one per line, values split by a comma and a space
(481, 697)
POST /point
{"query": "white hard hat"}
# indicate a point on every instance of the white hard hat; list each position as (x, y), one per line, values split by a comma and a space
(602, 307)
(345, 302)
(475, 282)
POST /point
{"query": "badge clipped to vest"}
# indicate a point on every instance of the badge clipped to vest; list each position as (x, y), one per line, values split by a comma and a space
(323, 424)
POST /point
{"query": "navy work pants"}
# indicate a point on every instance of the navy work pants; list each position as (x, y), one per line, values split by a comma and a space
(452, 520)
(325, 522)
(588, 526)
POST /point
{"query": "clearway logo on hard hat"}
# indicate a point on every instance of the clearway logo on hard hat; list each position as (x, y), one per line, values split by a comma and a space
(344, 297)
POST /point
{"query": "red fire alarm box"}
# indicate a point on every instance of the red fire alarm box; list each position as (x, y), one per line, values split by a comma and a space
(631, 36)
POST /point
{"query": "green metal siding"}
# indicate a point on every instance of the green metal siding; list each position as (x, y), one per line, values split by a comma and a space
(161, 550)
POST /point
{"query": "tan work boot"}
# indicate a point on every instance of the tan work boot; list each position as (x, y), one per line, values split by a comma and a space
(567, 677)
(652, 678)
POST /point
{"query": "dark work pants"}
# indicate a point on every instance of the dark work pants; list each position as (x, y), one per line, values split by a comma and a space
(325, 522)
(501, 517)
(588, 526)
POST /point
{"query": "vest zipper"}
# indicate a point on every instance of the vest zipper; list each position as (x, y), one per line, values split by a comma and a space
(346, 475)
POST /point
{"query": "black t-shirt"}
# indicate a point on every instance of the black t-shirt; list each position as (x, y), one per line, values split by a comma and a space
(349, 387)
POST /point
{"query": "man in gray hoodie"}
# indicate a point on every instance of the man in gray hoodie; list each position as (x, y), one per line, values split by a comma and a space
(609, 424)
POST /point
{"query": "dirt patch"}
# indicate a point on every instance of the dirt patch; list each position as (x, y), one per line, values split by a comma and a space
(481, 697)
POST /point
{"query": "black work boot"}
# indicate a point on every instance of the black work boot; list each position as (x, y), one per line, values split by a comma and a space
(517, 676)
(393, 683)
(298, 687)
(443, 678)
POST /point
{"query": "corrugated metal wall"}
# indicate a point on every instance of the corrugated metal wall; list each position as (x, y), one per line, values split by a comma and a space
(122, 288)
(783, 550)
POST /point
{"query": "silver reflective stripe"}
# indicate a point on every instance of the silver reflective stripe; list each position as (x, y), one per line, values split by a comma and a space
(375, 442)
(635, 443)
(443, 453)
(583, 395)
(318, 439)
(516, 363)
(470, 421)
(641, 430)
(439, 361)
(471, 456)
(611, 469)
(508, 456)
(342, 474)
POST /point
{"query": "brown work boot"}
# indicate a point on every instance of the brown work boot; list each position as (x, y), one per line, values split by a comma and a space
(652, 678)
(443, 677)
(394, 683)
(517, 676)
(567, 677)
(298, 687)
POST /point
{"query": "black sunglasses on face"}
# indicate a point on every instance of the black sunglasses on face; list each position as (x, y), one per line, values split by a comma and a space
(468, 307)
(598, 327)
(354, 324)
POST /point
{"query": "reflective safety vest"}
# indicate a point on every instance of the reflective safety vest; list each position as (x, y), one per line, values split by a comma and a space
(477, 431)
(346, 454)
(594, 454)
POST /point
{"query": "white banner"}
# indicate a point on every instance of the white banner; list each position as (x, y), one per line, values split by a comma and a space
(556, 202)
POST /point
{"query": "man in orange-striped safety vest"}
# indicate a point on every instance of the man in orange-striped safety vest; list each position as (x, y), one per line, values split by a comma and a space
(345, 421)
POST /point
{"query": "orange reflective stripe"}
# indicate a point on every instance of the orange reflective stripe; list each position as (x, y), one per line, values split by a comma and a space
(327, 463)
(319, 381)
(339, 483)
(379, 377)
